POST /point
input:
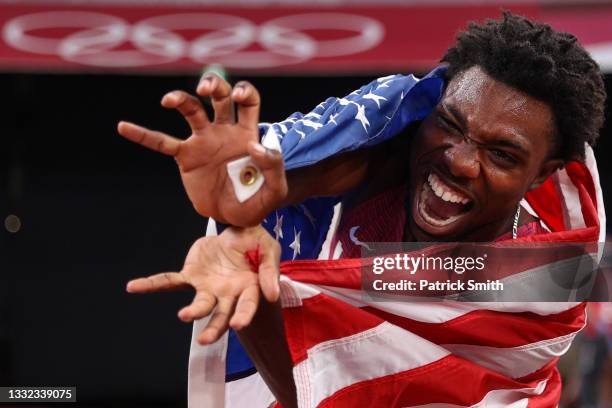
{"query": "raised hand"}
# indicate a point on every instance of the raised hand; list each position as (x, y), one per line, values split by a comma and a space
(225, 279)
(202, 158)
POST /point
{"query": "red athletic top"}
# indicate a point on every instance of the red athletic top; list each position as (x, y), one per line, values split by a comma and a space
(382, 219)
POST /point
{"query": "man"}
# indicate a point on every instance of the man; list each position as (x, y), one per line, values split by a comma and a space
(517, 102)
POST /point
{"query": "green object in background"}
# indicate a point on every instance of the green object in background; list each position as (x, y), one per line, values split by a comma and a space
(217, 69)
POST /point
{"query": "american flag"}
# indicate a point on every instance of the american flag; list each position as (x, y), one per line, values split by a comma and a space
(348, 352)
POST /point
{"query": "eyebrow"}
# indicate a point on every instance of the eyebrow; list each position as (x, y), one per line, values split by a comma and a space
(499, 141)
(455, 112)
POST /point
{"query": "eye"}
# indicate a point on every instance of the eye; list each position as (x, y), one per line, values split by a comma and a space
(503, 156)
(446, 123)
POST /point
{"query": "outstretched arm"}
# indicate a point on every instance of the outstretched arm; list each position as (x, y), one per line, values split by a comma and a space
(270, 352)
(229, 273)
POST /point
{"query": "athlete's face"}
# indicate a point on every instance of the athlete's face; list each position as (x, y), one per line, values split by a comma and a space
(475, 156)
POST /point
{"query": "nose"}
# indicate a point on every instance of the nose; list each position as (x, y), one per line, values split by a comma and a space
(462, 160)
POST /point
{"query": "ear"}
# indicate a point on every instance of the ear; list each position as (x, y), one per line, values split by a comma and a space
(548, 168)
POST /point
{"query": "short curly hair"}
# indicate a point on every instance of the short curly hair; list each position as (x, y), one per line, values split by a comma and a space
(546, 64)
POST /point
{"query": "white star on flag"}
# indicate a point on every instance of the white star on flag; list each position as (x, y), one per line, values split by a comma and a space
(313, 115)
(375, 98)
(332, 118)
(384, 81)
(295, 245)
(361, 116)
(278, 228)
(385, 78)
(310, 123)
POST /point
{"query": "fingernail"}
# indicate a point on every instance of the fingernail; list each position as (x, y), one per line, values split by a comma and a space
(259, 149)
(207, 335)
(237, 92)
(169, 97)
(204, 84)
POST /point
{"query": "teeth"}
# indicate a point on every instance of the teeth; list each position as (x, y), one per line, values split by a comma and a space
(445, 192)
(434, 221)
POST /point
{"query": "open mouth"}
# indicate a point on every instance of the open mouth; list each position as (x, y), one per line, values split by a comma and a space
(440, 204)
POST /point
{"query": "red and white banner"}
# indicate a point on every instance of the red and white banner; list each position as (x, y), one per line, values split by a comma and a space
(261, 38)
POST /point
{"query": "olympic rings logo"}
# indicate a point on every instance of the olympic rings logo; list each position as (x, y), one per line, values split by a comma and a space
(99, 38)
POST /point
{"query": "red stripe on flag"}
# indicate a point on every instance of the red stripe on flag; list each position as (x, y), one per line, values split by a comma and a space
(492, 328)
(589, 234)
(581, 176)
(323, 318)
(582, 179)
(551, 395)
(345, 273)
(450, 380)
(546, 202)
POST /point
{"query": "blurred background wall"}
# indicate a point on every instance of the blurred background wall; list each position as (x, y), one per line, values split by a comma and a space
(82, 211)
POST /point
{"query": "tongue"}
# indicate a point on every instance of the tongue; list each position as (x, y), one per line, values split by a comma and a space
(443, 209)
